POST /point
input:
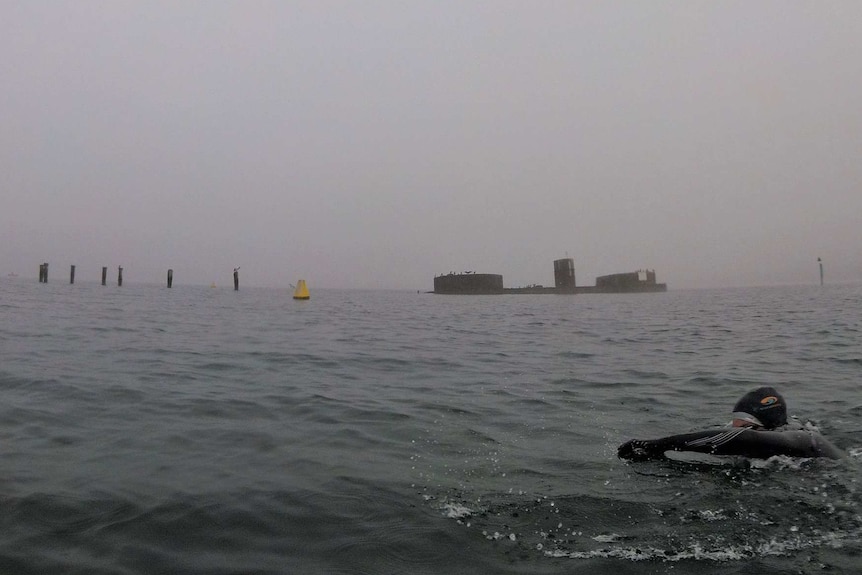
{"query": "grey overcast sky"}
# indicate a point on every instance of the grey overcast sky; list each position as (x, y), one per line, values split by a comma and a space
(375, 144)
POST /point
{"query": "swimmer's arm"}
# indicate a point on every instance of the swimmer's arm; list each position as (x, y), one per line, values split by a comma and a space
(644, 449)
(822, 447)
(735, 441)
(792, 443)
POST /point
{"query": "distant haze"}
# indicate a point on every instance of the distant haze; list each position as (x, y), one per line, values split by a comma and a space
(376, 144)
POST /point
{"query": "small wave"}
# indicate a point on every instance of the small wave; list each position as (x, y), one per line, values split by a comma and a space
(700, 552)
(714, 515)
(781, 462)
(710, 515)
(576, 355)
(607, 538)
(646, 374)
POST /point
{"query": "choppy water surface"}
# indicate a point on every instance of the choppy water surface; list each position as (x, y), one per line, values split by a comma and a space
(198, 430)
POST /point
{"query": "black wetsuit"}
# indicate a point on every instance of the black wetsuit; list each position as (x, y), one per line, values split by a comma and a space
(744, 441)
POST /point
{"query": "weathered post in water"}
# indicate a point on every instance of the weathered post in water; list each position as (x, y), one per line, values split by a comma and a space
(236, 278)
(104, 275)
(45, 272)
(821, 270)
(72, 275)
(170, 278)
(41, 273)
(120, 276)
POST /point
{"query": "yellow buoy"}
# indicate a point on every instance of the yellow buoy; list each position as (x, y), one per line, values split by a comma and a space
(301, 291)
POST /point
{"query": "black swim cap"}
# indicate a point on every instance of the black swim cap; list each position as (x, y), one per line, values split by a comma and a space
(765, 405)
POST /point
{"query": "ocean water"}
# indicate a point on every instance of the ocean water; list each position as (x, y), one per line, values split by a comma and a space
(200, 430)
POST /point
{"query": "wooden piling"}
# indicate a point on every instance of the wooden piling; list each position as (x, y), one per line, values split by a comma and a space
(45, 272)
(821, 270)
(104, 275)
(72, 275)
(120, 276)
(170, 278)
(236, 279)
(41, 273)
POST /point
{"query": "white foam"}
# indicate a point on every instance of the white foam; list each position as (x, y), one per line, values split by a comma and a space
(780, 462)
(456, 510)
(697, 552)
(709, 515)
(608, 538)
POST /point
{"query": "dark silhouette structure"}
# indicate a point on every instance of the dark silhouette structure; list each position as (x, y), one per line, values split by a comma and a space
(471, 283)
(564, 274)
(639, 281)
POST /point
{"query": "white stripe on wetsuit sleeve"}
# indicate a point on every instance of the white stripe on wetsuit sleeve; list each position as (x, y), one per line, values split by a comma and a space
(718, 439)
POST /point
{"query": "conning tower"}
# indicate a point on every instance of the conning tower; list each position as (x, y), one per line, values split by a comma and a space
(564, 274)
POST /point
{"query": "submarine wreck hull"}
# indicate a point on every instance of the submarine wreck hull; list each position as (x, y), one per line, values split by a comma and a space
(469, 284)
(631, 282)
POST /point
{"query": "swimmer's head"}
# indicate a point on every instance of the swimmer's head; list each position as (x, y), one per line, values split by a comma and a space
(764, 407)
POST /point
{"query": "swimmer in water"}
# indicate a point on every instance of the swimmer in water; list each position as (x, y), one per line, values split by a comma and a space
(759, 429)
